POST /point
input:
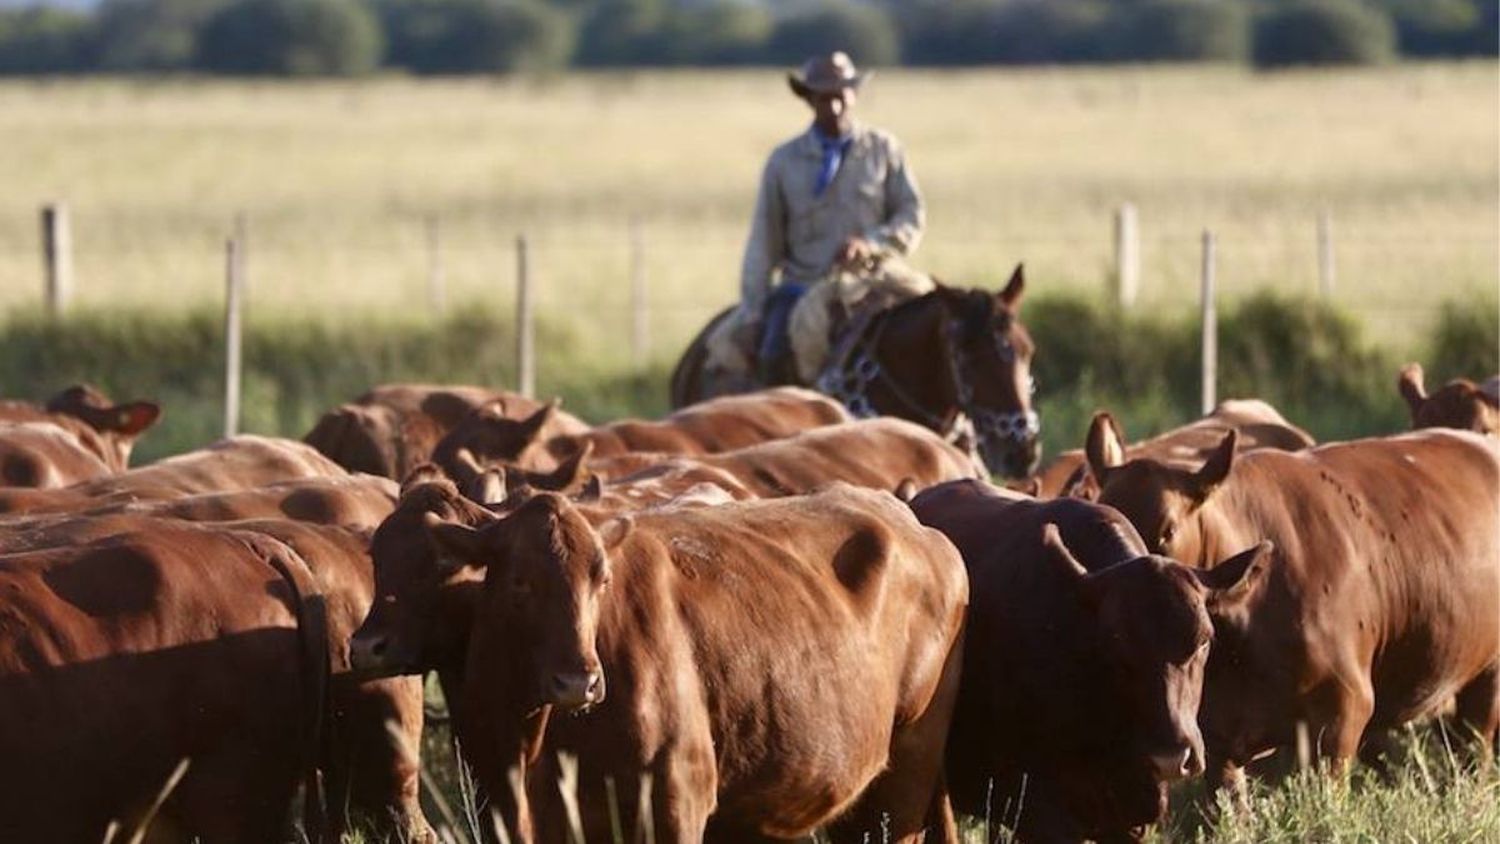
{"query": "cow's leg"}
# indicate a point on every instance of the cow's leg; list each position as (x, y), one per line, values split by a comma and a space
(1225, 776)
(1478, 709)
(687, 782)
(1351, 702)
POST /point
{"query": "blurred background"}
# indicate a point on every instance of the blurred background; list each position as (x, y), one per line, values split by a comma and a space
(378, 161)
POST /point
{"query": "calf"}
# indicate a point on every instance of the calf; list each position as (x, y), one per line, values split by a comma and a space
(1380, 603)
(738, 707)
(1083, 663)
(1459, 404)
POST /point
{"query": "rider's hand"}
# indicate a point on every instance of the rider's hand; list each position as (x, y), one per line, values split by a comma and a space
(856, 250)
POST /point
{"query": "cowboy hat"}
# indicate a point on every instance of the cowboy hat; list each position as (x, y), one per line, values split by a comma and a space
(826, 74)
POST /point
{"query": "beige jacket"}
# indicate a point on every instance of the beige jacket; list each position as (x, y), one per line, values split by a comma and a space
(874, 194)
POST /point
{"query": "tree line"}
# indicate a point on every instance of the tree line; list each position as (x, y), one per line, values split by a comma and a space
(353, 37)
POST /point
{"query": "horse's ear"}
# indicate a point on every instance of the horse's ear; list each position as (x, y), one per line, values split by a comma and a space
(1015, 289)
(1411, 387)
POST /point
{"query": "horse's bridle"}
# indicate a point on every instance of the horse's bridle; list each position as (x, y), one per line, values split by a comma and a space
(850, 379)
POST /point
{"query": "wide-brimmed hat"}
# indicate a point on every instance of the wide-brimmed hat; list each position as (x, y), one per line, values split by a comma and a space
(826, 74)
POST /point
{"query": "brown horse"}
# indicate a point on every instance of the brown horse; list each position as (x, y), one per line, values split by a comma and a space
(957, 361)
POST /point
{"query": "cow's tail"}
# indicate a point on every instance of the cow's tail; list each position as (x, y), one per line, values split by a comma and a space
(312, 633)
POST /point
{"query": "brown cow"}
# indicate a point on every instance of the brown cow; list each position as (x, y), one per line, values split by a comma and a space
(103, 429)
(1459, 404)
(119, 659)
(874, 453)
(1380, 603)
(41, 455)
(1083, 663)
(708, 427)
(1260, 426)
(731, 639)
(369, 767)
(393, 428)
(241, 462)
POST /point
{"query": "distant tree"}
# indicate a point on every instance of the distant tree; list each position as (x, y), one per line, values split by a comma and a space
(42, 39)
(291, 37)
(148, 35)
(1181, 30)
(866, 33)
(1321, 32)
(473, 36)
(618, 33)
(1443, 27)
(1038, 31)
(717, 33)
(940, 32)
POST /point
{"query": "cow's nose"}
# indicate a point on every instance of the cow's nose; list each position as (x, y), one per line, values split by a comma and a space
(577, 688)
(367, 651)
(1177, 764)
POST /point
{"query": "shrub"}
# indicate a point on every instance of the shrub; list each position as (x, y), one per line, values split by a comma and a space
(936, 32)
(866, 33)
(1182, 30)
(41, 39)
(1037, 31)
(1322, 32)
(622, 32)
(149, 35)
(1465, 343)
(718, 34)
(464, 36)
(291, 37)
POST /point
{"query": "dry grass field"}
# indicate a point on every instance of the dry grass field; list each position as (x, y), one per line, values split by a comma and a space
(336, 179)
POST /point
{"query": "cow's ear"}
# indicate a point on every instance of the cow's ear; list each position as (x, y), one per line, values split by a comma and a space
(571, 473)
(593, 490)
(1409, 382)
(132, 419)
(531, 426)
(1231, 581)
(1216, 468)
(464, 469)
(488, 488)
(906, 490)
(614, 531)
(1015, 289)
(492, 409)
(456, 544)
(1105, 447)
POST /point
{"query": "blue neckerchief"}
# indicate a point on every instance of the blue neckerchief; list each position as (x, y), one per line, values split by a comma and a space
(834, 150)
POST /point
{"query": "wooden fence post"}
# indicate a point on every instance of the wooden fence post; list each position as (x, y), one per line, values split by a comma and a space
(1127, 280)
(525, 340)
(1210, 325)
(1325, 255)
(57, 256)
(640, 334)
(437, 282)
(233, 300)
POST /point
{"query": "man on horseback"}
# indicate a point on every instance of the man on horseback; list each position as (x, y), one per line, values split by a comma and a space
(838, 208)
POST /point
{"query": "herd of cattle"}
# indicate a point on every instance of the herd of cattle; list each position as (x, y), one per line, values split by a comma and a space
(751, 620)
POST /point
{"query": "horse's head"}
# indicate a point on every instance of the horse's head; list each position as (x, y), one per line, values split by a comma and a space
(990, 359)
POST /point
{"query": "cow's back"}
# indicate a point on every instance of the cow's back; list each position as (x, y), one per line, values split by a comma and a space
(43, 455)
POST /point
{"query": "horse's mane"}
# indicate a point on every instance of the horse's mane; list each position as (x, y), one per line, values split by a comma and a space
(972, 306)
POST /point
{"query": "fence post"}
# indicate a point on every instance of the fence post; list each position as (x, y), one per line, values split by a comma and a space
(57, 256)
(1127, 255)
(640, 336)
(233, 300)
(1210, 325)
(525, 341)
(437, 282)
(1325, 255)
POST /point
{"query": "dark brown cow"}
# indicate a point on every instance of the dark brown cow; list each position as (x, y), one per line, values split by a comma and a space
(709, 427)
(79, 435)
(1380, 605)
(369, 767)
(1259, 424)
(393, 428)
(119, 659)
(1459, 404)
(874, 453)
(1083, 663)
(241, 462)
(768, 663)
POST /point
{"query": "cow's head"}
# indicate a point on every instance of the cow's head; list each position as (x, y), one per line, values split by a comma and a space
(1152, 623)
(492, 437)
(1161, 500)
(118, 425)
(547, 570)
(423, 598)
(1459, 404)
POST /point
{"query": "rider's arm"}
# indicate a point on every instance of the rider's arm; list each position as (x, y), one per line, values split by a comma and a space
(905, 214)
(767, 244)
